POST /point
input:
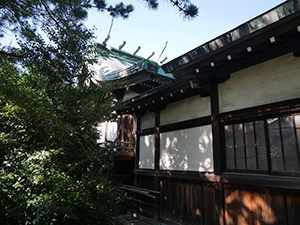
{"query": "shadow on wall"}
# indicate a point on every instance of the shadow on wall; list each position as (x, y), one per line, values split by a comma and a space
(253, 207)
(187, 150)
(147, 151)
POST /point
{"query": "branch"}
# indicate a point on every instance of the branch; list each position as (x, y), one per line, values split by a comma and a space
(12, 54)
(189, 10)
(176, 3)
(48, 10)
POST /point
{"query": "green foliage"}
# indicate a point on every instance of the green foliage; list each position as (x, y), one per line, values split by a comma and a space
(51, 168)
(52, 171)
(37, 191)
(24, 15)
(120, 10)
(20, 15)
(187, 9)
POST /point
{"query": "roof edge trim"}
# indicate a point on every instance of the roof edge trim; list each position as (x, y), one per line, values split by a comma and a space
(271, 16)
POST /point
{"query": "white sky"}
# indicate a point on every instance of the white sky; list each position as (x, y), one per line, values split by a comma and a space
(152, 29)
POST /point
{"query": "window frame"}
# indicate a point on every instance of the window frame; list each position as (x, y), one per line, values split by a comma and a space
(245, 117)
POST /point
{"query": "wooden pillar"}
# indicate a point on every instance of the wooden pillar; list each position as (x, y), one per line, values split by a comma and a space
(157, 139)
(218, 154)
(216, 132)
(137, 147)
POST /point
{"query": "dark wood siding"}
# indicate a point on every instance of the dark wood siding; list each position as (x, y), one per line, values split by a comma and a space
(183, 201)
(293, 207)
(186, 202)
(249, 205)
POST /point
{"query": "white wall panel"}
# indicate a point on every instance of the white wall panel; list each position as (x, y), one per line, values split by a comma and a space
(148, 120)
(112, 131)
(107, 131)
(269, 82)
(190, 108)
(187, 150)
(130, 94)
(147, 152)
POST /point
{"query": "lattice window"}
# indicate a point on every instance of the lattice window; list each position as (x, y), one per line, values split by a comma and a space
(270, 145)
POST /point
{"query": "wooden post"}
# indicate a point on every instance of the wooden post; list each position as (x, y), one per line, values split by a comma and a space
(217, 152)
(157, 139)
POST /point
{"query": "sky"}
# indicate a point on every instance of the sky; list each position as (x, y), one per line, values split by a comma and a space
(151, 29)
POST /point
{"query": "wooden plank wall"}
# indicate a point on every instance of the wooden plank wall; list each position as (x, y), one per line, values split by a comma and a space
(249, 205)
(253, 205)
(150, 209)
(293, 207)
(183, 201)
(186, 202)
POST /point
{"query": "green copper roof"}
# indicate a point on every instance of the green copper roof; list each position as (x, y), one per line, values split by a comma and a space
(115, 64)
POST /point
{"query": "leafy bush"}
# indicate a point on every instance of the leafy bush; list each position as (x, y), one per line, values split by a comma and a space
(51, 169)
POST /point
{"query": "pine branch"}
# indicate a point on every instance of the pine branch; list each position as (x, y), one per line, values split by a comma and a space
(12, 54)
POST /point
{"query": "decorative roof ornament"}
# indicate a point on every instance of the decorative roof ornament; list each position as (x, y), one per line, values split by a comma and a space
(108, 35)
(162, 51)
(162, 61)
(122, 45)
(136, 51)
(152, 54)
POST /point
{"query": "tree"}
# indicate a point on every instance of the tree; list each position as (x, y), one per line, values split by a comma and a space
(50, 164)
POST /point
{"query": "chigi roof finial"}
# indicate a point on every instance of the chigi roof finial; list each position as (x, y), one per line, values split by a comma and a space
(108, 35)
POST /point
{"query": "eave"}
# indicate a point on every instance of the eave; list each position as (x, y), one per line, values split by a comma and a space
(198, 74)
(140, 82)
(236, 38)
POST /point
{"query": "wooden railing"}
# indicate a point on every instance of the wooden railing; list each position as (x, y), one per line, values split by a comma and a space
(134, 191)
(124, 148)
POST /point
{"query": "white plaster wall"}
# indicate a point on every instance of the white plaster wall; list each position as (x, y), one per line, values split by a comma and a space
(187, 150)
(112, 130)
(108, 129)
(130, 94)
(148, 120)
(269, 82)
(186, 109)
(147, 152)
